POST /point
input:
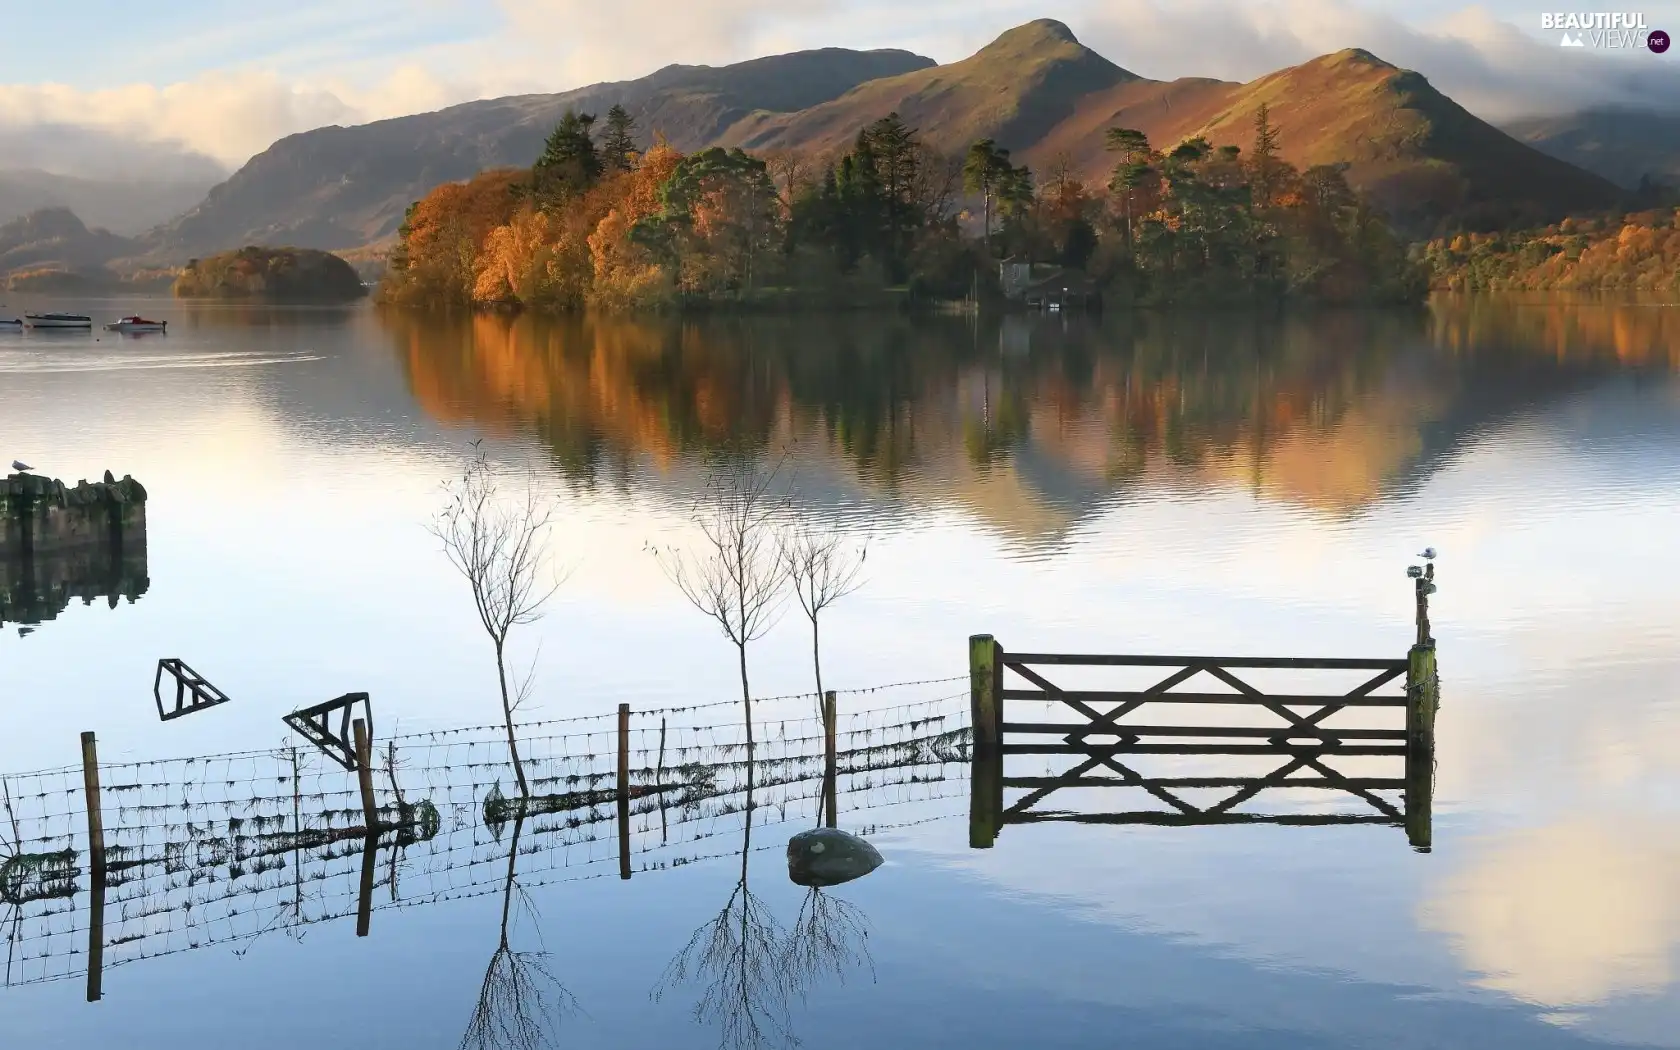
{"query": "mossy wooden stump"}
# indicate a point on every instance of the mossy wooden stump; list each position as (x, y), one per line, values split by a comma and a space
(60, 542)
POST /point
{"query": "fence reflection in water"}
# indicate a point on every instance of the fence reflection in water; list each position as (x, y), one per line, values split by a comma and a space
(221, 850)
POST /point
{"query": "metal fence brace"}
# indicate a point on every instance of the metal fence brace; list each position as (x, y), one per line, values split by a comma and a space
(187, 683)
(315, 725)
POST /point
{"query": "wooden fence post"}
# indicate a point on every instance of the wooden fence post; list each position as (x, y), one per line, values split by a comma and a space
(831, 762)
(1422, 699)
(96, 867)
(624, 791)
(364, 775)
(984, 705)
(95, 818)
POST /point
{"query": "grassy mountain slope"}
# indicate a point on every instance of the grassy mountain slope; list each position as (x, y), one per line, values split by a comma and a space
(1040, 92)
(340, 187)
(1012, 90)
(1419, 154)
(1620, 144)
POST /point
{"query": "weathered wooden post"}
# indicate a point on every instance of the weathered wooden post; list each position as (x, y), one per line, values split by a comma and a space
(624, 791)
(364, 776)
(985, 798)
(1422, 700)
(985, 802)
(1423, 585)
(985, 708)
(96, 938)
(831, 761)
(370, 824)
(96, 867)
(364, 900)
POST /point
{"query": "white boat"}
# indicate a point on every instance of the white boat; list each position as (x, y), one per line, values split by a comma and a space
(58, 320)
(134, 323)
(11, 322)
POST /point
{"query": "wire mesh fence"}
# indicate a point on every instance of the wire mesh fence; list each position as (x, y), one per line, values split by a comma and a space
(224, 849)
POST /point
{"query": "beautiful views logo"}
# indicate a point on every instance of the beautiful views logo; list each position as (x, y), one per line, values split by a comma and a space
(1605, 29)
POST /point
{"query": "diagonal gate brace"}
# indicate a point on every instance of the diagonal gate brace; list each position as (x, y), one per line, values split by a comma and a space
(188, 684)
(316, 724)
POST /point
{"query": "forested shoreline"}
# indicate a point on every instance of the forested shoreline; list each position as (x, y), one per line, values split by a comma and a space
(1638, 251)
(596, 223)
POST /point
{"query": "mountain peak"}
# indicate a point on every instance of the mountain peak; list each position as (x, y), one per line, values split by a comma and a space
(1037, 33)
(1356, 56)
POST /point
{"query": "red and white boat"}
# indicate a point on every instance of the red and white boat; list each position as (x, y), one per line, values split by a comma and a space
(134, 323)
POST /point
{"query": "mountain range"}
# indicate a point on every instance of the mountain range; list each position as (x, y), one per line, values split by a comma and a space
(1036, 90)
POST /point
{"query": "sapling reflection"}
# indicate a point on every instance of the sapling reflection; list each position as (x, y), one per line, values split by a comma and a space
(521, 1004)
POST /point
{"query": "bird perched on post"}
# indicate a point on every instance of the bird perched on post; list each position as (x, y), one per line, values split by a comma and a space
(1428, 554)
(18, 464)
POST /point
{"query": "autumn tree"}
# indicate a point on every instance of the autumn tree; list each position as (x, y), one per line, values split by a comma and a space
(443, 234)
(720, 206)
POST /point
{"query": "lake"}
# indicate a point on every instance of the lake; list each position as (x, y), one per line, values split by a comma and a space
(1204, 483)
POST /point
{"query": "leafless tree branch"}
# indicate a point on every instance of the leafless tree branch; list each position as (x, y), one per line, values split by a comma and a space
(822, 564)
(497, 544)
(735, 574)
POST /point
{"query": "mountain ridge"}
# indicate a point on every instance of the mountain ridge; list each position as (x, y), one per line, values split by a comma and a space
(1035, 90)
(343, 187)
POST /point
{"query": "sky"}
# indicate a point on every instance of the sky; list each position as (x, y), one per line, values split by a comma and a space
(215, 81)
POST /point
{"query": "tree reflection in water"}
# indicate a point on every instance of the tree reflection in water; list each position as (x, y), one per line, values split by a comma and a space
(734, 958)
(521, 1004)
(829, 937)
(749, 968)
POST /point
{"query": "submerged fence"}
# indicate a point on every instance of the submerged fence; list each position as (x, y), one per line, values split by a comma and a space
(106, 864)
(223, 849)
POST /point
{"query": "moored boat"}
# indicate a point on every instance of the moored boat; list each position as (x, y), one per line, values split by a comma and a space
(11, 322)
(58, 320)
(134, 323)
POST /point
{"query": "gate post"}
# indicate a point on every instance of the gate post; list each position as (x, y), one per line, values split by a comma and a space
(985, 706)
(1423, 696)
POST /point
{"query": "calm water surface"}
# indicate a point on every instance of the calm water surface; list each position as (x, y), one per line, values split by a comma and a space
(1216, 484)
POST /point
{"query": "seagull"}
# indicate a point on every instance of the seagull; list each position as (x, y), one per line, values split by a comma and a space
(18, 464)
(1428, 552)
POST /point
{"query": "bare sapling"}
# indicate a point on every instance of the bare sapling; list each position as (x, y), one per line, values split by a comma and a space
(734, 573)
(823, 564)
(497, 543)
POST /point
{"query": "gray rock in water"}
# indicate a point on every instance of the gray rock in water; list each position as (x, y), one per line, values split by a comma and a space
(828, 857)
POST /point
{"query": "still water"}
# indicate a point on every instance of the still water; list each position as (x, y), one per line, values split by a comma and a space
(1227, 484)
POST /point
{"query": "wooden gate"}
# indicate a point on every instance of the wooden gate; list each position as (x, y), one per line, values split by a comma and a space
(1112, 727)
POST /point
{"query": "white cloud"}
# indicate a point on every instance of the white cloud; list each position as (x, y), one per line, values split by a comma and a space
(1569, 915)
(226, 115)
